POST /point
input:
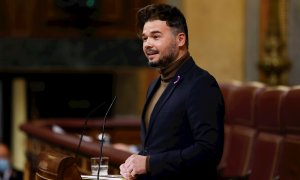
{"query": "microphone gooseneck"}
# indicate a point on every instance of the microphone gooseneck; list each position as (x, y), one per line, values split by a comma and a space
(84, 127)
(102, 137)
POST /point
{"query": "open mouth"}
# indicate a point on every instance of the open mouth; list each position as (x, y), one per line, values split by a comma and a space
(151, 53)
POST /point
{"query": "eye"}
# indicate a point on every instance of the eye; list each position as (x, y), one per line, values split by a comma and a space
(144, 38)
(156, 37)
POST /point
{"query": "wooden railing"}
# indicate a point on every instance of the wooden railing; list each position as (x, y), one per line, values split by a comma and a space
(41, 138)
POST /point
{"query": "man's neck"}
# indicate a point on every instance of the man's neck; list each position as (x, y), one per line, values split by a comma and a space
(169, 72)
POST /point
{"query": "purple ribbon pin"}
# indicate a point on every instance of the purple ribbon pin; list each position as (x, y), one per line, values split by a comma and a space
(177, 80)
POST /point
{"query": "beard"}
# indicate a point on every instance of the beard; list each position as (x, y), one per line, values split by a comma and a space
(165, 59)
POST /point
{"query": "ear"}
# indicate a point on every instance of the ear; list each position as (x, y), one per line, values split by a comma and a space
(181, 39)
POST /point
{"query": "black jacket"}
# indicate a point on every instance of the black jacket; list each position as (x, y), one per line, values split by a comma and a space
(186, 129)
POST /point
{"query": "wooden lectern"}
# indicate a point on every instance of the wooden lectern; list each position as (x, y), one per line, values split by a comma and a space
(58, 166)
(51, 155)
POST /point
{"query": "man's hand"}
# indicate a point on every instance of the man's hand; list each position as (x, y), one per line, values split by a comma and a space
(134, 165)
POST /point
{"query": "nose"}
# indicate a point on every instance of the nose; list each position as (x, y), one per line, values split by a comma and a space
(147, 43)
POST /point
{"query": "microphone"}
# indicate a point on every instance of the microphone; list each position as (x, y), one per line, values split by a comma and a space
(84, 127)
(102, 137)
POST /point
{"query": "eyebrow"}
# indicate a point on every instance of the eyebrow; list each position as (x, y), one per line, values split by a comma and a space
(152, 32)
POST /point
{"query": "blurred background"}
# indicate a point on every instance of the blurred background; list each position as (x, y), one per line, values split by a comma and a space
(61, 58)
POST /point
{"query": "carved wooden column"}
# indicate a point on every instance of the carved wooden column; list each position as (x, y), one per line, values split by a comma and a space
(274, 63)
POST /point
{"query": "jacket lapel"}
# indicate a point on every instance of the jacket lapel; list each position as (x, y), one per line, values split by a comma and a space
(165, 96)
(162, 100)
(150, 93)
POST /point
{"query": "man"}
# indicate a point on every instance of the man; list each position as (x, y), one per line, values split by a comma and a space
(6, 171)
(182, 125)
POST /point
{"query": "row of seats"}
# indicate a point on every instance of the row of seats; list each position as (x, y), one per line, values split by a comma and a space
(262, 131)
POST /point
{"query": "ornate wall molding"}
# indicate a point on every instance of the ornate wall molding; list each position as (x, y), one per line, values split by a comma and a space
(274, 62)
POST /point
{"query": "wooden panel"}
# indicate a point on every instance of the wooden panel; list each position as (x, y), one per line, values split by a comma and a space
(4, 20)
(17, 17)
(51, 18)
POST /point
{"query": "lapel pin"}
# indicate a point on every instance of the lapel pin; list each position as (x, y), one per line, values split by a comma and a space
(177, 80)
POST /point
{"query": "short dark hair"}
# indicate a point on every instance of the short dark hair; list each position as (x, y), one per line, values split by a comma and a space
(164, 12)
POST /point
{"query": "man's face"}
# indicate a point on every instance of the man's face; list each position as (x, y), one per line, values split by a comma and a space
(159, 43)
(3, 151)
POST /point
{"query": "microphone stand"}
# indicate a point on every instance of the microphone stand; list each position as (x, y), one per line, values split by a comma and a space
(84, 127)
(102, 137)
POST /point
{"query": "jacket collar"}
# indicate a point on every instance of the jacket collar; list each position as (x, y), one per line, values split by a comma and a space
(175, 81)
